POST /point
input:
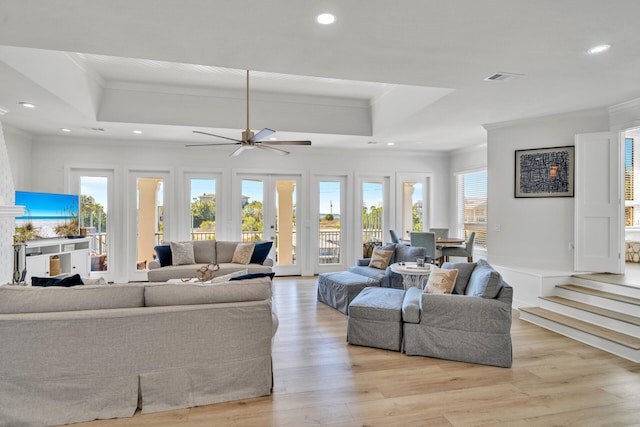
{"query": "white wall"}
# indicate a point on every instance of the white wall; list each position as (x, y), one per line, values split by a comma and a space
(534, 232)
(51, 157)
(19, 146)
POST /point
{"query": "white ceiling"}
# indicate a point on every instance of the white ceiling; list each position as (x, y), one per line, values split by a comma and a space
(409, 72)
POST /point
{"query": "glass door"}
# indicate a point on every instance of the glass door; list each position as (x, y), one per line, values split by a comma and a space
(94, 188)
(269, 212)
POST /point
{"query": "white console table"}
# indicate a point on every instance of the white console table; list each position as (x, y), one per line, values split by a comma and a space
(72, 253)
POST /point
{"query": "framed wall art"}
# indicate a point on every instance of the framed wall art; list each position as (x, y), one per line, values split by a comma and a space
(544, 172)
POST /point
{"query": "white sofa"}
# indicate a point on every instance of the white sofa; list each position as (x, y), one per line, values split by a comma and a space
(206, 252)
(97, 352)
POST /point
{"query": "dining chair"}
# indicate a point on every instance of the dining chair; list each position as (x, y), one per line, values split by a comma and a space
(440, 232)
(427, 240)
(394, 236)
(465, 250)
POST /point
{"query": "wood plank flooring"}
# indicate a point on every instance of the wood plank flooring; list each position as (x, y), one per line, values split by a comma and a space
(321, 380)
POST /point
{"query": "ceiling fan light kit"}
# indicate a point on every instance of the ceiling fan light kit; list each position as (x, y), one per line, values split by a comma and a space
(250, 140)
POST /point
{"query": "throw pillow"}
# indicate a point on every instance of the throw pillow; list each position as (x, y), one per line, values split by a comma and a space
(182, 253)
(464, 273)
(74, 280)
(441, 281)
(261, 252)
(409, 253)
(227, 277)
(253, 276)
(242, 254)
(484, 282)
(163, 252)
(380, 258)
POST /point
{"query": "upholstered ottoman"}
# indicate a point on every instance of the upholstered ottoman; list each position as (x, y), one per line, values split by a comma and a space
(338, 289)
(375, 318)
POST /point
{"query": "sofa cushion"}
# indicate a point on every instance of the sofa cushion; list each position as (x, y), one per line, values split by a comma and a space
(380, 258)
(261, 252)
(204, 251)
(74, 280)
(24, 299)
(441, 281)
(163, 252)
(182, 253)
(242, 253)
(225, 250)
(189, 294)
(464, 273)
(409, 253)
(484, 282)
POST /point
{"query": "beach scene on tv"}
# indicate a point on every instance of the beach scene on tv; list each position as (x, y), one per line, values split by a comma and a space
(46, 215)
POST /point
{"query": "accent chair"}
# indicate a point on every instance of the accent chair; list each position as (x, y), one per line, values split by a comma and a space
(465, 250)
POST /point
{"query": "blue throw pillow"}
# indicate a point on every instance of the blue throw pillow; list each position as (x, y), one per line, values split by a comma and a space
(74, 280)
(163, 253)
(261, 252)
(253, 276)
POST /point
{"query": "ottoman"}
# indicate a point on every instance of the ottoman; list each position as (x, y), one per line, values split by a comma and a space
(375, 318)
(338, 289)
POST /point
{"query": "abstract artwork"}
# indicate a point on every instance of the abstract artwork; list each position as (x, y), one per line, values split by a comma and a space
(544, 172)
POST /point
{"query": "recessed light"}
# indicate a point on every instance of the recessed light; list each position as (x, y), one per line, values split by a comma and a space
(599, 49)
(65, 129)
(326, 18)
(137, 132)
(27, 105)
(391, 143)
(273, 138)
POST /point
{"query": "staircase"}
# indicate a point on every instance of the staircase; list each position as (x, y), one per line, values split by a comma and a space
(601, 313)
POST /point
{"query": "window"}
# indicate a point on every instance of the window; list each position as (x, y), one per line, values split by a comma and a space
(472, 205)
(203, 208)
(93, 218)
(329, 230)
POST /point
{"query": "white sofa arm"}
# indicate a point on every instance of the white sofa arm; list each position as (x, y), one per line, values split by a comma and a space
(268, 262)
(153, 264)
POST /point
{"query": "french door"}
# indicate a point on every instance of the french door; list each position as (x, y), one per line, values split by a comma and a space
(267, 210)
(148, 219)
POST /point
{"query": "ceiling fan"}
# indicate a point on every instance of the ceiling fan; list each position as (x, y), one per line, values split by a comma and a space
(250, 140)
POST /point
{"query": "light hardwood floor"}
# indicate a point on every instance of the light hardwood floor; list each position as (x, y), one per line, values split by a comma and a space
(321, 380)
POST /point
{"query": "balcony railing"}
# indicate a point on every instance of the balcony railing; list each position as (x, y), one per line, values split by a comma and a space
(328, 242)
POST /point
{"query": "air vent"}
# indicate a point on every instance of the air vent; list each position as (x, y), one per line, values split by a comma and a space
(502, 77)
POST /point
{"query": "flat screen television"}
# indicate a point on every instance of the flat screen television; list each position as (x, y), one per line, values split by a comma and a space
(47, 215)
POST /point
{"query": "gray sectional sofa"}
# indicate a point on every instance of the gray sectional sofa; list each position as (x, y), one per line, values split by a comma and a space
(206, 252)
(473, 324)
(97, 352)
(386, 277)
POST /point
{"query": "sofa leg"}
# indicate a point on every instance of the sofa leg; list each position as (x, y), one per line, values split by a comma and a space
(470, 259)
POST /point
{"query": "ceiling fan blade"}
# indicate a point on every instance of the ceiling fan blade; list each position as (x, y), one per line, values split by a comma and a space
(215, 143)
(262, 134)
(286, 142)
(274, 150)
(240, 149)
(218, 136)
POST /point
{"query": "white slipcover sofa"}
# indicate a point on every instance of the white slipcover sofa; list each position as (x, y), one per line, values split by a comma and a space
(208, 252)
(95, 352)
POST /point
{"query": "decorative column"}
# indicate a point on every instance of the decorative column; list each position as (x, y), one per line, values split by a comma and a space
(407, 208)
(285, 222)
(147, 217)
